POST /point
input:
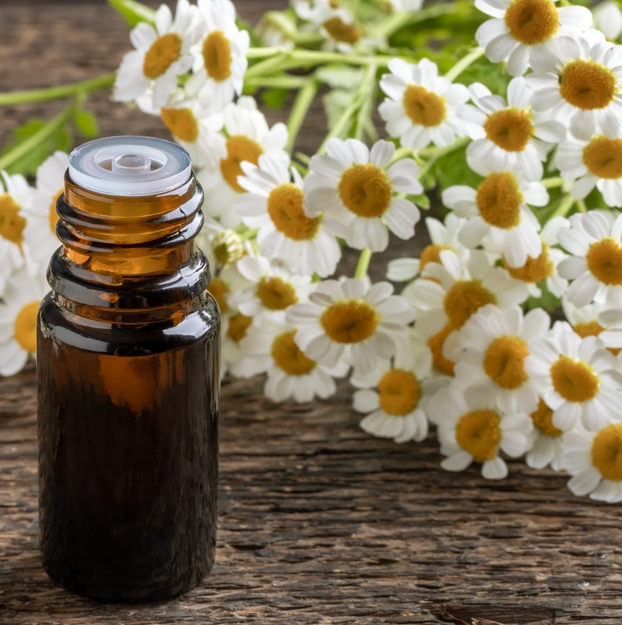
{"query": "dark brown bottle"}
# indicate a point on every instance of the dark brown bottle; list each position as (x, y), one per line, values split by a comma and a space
(127, 361)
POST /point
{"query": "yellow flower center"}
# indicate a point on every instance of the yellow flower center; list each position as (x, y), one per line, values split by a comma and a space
(435, 343)
(365, 190)
(499, 198)
(53, 214)
(478, 433)
(588, 328)
(399, 392)
(607, 452)
(587, 85)
(285, 210)
(603, 157)
(239, 149)
(219, 289)
(12, 224)
(574, 380)
(464, 299)
(504, 361)
(227, 247)
(510, 129)
(543, 420)
(532, 21)
(535, 269)
(340, 31)
(424, 107)
(288, 356)
(182, 123)
(25, 327)
(217, 56)
(431, 254)
(238, 325)
(604, 260)
(276, 294)
(164, 51)
(350, 321)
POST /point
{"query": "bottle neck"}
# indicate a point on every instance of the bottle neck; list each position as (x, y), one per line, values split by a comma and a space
(124, 256)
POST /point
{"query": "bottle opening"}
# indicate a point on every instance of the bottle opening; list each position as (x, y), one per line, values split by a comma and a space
(129, 166)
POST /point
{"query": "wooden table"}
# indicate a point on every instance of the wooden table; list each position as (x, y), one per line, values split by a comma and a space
(318, 523)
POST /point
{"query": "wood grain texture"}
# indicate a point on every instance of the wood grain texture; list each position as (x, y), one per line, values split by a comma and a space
(318, 523)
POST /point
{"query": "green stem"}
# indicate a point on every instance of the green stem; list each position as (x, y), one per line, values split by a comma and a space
(278, 82)
(401, 153)
(262, 53)
(436, 153)
(365, 111)
(399, 20)
(551, 183)
(463, 63)
(310, 38)
(299, 111)
(581, 207)
(363, 264)
(53, 93)
(39, 137)
(563, 207)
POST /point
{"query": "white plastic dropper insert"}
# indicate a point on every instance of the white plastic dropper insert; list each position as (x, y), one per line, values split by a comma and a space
(129, 166)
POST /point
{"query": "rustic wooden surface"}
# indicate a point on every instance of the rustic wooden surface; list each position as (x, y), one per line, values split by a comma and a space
(318, 522)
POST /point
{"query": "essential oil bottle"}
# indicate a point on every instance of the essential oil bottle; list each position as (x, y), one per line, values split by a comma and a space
(128, 381)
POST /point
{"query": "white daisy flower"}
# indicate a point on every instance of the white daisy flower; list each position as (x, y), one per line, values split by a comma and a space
(470, 428)
(546, 440)
(235, 327)
(421, 106)
(577, 379)
(491, 349)
(221, 246)
(584, 88)
(271, 291)
(594, 240)
(351, 321)
(161, 55)
(594, 461)
(444, 236)
(394, 398)
(247, 138)
(585, 320)
(357, 188)
(18, 320)
(277, 29)
(225, 282)
(335, 23)
(220, 57)
(291, 375)
(15, 201)
(543, 267)
(608, 19)
(498, 209)
(525, 32)
(41, 215)
(274, 205)
(595, 162)
(508, 135)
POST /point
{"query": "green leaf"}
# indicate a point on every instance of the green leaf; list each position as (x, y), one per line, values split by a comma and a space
(133, 12)
(274, 98)
(27, 165)
(421, 200)
(86, 123)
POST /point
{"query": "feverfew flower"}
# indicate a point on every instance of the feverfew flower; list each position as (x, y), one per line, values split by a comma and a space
(608, 19)
(594, 162)
(291, 375)
(508, 135)
(357, 188)
(352, 322)
(220, 57)
(594, 240)
(335, 23)
(593, 460)
(41, 215)
(18, 320)
(525, 32)
(15, 201)
(546, 440)
(272, 289)
(234, 328)
(498, 209)
(582, 90)
(491, 349)
(421, 106)
(247, 138)
(225, 282)
(444, 236)
(161, 55)
(470, 427)
(577, 378)
(274, 205)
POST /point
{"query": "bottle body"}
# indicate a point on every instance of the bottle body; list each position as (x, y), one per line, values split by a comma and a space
(128, 381)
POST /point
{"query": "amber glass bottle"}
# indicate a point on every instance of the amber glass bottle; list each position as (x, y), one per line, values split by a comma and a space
(127, 350)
